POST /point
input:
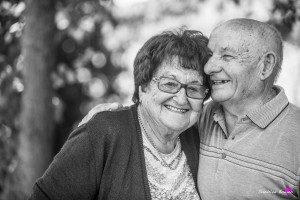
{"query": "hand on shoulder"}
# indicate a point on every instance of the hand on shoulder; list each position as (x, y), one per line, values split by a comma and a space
(100, 108)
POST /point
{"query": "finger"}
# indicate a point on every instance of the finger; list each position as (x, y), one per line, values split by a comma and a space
(91, 113)
(83, 121)
(100, 108)
(115, 106)
(97, 109)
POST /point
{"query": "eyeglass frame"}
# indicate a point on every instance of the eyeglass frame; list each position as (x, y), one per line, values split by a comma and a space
(182, 85)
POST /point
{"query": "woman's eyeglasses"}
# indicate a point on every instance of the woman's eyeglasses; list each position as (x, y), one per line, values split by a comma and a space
(169, 85)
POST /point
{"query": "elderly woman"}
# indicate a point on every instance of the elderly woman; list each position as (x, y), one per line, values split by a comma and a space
(148, 150)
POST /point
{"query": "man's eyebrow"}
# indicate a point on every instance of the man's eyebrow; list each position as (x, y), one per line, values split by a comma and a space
(228, 49)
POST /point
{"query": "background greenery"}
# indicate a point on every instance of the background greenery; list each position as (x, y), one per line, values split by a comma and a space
(59, 58)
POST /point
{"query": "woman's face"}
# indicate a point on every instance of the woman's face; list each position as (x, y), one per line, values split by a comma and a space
(174, 112)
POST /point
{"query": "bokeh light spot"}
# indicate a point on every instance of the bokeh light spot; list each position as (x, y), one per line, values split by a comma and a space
(99, 60)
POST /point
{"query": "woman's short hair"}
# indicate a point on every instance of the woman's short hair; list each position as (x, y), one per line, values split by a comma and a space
(189, 46)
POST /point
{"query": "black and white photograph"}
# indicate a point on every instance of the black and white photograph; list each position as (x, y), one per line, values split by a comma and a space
(149, 100)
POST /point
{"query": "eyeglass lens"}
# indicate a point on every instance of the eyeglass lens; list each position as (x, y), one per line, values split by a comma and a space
(173, 86)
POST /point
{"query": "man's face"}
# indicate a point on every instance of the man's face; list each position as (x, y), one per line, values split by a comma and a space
(233, 66)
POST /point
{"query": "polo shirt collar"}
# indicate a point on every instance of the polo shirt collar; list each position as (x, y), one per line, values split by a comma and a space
(218, 113)
(264, 115)
(220, 118)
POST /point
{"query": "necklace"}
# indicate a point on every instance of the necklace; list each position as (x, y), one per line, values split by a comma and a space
(161, 160)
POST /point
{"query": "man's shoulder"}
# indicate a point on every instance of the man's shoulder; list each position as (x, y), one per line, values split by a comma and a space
(294, 108)
(294, 112)
(288, 121)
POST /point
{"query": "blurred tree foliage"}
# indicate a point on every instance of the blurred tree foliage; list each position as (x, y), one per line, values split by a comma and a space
(90, 41)
(82, 73)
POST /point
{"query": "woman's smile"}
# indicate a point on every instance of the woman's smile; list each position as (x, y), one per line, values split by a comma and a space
(176, 109)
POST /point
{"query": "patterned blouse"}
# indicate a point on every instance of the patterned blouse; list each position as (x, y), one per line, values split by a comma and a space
(173, 181)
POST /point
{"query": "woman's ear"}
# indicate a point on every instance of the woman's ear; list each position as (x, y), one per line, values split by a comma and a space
(142, 90)
(269, 61)
(141, 93)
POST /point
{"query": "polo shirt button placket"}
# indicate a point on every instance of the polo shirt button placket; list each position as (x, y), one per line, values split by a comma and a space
(223, 155)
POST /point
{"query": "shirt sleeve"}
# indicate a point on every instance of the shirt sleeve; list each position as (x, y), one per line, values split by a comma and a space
(72, 173)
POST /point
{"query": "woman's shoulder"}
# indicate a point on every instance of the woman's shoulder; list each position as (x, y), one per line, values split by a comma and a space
(191, 134)
(112, 123)
(116, 117)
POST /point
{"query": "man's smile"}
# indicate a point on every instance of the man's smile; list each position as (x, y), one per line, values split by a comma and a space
(218, 82)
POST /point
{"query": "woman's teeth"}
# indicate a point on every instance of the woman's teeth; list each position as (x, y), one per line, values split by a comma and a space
(176, 109)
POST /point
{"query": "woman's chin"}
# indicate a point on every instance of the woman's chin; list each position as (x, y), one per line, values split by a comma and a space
(176, 125)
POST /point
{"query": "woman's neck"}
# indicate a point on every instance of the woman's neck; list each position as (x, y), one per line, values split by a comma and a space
(160, 137)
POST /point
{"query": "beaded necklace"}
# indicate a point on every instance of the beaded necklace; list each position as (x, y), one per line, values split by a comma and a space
(161, 160)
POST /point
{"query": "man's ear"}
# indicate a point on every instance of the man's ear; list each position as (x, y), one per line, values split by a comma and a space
(269, 61)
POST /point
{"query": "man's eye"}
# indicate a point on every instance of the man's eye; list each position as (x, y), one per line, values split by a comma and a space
(227, 57)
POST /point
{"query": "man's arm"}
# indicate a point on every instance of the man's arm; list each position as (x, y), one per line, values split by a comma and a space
(100, 108)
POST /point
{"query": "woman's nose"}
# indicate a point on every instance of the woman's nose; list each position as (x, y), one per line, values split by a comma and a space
(181, 96)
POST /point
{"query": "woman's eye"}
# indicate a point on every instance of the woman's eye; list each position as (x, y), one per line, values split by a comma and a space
(193, 89)
(171, 84)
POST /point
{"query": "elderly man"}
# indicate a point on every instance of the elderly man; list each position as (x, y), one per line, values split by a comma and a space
(250, 133)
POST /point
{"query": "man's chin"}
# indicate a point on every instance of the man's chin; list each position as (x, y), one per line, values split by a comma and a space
(219, 97)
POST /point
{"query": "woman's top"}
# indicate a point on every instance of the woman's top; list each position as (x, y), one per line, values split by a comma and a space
(104, 159)
(173, 181)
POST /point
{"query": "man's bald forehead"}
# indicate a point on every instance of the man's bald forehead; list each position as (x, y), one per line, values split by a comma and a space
(243, 25)
(262, 32)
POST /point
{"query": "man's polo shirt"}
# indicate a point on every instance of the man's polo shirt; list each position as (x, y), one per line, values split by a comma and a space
(260, 159)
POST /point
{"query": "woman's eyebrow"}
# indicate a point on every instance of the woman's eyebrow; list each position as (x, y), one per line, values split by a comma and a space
(169, 76)
(174, 77)
(196, 81)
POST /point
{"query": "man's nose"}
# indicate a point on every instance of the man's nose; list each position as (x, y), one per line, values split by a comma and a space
(212, 66)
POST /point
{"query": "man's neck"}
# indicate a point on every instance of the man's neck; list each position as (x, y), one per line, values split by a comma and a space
(233, 111)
